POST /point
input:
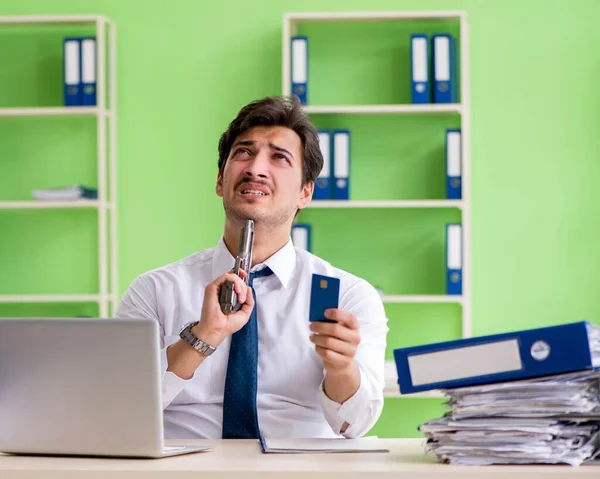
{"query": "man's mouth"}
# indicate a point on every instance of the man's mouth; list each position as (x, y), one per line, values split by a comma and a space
(249, 192)
(251, 188)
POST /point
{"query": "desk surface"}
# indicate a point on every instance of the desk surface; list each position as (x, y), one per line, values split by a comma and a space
(243, 459)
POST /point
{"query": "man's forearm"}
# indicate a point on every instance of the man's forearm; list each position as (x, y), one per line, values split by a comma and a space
(341, 386)
(183, 359)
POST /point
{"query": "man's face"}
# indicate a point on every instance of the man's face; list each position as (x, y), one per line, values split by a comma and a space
(262, 178)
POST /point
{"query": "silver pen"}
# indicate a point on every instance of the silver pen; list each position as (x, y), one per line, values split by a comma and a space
(227, 296)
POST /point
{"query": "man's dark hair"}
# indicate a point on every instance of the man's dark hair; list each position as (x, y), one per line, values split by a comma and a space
(276, 111)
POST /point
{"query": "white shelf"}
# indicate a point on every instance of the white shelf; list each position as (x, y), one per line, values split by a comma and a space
(51, 19)
(416, 109)
(51, 298)
(392, 389)
(104, 30)
(424, 298)
(53, 111)
(292, 23)
(35, 205)
(330, 17)
(386, 204)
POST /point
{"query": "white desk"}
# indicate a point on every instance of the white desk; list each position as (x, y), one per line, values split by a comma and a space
(243, 459)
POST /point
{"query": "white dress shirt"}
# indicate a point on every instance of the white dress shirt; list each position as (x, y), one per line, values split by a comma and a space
(290, 397)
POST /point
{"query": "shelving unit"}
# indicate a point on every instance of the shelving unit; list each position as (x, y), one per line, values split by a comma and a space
(387, 204)
(431, 109)
(106, 149)
(40, 205)
(53, 111)
(291, 23)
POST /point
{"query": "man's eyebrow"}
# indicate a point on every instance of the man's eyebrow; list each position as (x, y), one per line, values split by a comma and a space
(279, 148)
(243, 143)
(252, 143)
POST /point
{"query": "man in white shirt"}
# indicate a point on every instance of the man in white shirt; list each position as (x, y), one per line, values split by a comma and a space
(304, 379)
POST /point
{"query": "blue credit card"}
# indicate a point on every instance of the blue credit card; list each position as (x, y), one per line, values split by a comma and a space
(324, 294)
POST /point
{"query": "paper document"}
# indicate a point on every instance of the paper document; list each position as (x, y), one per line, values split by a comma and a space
(296, 446)
(548, 420)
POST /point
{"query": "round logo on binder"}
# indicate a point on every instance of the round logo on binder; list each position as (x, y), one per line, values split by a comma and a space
(540, 350)
(341, 183)
(420, 87)
(443, 86)
(455, 182)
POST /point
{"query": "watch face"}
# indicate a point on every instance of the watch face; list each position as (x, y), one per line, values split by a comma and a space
(188, 325)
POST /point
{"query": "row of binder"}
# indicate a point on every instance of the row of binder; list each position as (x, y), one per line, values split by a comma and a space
(434, 68)
(79, 71)
(434, 76)
(302, 238)
(333, 182)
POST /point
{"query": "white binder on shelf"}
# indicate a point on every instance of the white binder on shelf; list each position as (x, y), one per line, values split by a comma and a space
(341, 164)
(301, 236)
(453, 164)
(88, 71)
(72, 71)
(300, 67)
(454, 259)
(419, 53)
(322, 184)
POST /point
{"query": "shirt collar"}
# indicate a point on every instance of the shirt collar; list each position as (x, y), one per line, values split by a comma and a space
(282, 263)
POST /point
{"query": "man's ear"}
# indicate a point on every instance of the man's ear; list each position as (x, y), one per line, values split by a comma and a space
(306, 194)
(219, 186)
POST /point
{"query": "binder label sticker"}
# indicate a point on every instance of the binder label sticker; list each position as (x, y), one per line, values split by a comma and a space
(540, 350)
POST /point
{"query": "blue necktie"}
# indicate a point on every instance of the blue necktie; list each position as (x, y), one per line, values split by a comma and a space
(240, 420)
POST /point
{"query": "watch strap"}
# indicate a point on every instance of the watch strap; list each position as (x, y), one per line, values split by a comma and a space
(188, 335)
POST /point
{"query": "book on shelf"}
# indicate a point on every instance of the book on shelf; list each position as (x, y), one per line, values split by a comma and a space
(72, 192)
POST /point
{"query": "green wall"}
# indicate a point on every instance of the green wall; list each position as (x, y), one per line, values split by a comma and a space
(186, 67)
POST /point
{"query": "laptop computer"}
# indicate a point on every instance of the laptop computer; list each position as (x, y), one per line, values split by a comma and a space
(82, 387)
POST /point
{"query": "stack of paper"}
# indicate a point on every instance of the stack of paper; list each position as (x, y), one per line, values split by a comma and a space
(554, 419)
(73, 192)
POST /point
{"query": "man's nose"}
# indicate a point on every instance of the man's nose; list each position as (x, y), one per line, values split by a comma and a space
(257, 167)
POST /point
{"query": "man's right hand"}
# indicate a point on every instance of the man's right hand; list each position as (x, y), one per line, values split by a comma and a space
(214, 325)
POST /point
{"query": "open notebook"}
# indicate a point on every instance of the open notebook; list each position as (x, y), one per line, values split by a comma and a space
(297, 446)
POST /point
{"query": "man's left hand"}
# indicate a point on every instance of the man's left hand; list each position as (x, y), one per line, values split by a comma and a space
(336, 343)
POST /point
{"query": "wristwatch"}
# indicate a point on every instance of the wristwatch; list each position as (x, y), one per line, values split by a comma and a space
(194, 341)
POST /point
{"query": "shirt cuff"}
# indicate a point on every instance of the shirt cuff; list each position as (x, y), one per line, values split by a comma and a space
(350, 411)
(172, 384)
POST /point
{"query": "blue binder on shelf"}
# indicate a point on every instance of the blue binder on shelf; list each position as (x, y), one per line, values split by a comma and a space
(453, 164)
(454, 258)
(497, 358)
(419, 61)
(323, 184)
(72, 71)
(341, 164)
(88, 71)
(301, 236)
(299, 66)
(445, 75)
